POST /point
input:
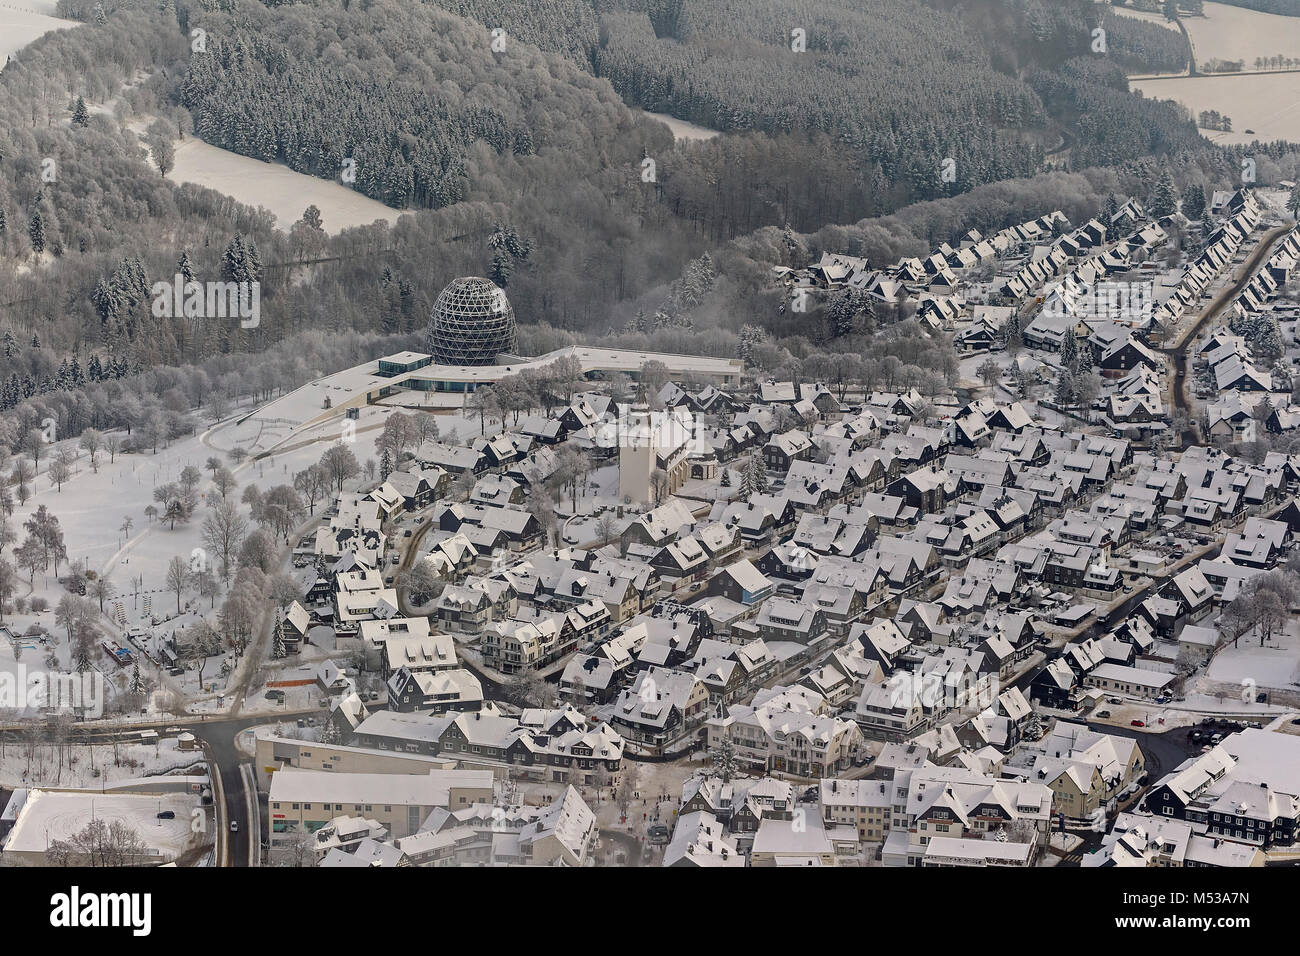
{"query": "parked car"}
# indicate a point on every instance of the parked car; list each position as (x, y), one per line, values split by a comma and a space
(1114, 700)
(657, 834)
(1103, 714)
(1137, 723)
(167, 815)
(1163, 699)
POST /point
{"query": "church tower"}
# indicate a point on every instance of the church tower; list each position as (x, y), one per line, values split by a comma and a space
(636, 451)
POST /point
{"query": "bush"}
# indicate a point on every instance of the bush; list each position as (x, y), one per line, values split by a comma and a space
(39, 604)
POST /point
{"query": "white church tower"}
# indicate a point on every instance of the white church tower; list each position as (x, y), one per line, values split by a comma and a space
(636, 451)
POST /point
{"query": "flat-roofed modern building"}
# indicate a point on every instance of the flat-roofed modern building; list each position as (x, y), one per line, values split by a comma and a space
(385, 379)
(305, 800)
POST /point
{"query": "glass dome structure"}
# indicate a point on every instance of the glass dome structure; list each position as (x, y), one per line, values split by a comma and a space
(472, 323)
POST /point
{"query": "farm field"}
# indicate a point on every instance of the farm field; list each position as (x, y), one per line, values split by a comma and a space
(22, 21)
(277, 188)
(1233, 33)
(1269, 104)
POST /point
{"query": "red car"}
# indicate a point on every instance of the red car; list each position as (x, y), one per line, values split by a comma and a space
(1137, 723)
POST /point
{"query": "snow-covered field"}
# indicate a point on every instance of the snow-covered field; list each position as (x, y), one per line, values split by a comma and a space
(683, 129)
(90, 766)
(22, 21)
(1276, 664)
(56, 815)
(1235, 33)
(1143, 15)
(277, 188)
(1232, 33)
(1268, 103)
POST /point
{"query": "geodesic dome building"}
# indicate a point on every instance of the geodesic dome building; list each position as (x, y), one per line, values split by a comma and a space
(472, 323)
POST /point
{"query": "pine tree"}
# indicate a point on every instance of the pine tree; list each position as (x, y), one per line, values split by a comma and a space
(1164, 197)
(10, 344)
(36, 231)
(500, 272)
(1292, 205)
(240, 262)
(184, 268)
(1065, 389)
(385, 465)
(1194, 202)
(1069, 349)
(755, 476)
(80, 115)
(277, 640)
(232, 260)
(1084, 361)
(843, 313)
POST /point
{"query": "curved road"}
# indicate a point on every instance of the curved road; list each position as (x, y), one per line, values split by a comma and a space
(1178, 353)
(218, 739)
